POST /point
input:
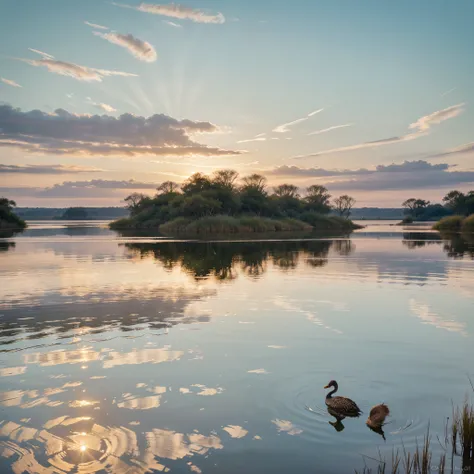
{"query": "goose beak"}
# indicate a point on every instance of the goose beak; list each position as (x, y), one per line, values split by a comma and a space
(326, 386)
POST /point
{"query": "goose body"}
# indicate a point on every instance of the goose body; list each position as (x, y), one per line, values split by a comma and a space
(340, 407)
(377, 415)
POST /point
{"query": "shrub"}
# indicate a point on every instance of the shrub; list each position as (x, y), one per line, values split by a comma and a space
(449, 224)
(468, 224)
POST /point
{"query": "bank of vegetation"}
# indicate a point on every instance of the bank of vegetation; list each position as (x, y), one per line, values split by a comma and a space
(223, 204)
(454, 204)
(9, 221)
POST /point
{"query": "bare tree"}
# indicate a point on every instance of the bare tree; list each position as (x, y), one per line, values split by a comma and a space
(133, 201)
(168, 187)
(343, 205)
(286, 190)
(225, 178)
(256, 182)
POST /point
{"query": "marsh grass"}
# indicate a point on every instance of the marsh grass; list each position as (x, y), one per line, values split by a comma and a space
(449, 224)
(460, 434)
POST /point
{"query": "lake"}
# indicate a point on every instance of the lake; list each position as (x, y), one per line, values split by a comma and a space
(134, 355)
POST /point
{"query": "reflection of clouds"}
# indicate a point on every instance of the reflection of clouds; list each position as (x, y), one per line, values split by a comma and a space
(310, 315)
(11, 371)
(61, 357)
(143, 403)
(427, 316)
(258, 371)
(286, 427)
(91, 448)
(144, 356)
(235, 431)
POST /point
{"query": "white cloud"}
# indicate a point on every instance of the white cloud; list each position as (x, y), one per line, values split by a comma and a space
(284, 128)
(334, 127)
(448, 92)
(256, 139)
(424, 123)
(104, 107)
(64, 68)
(9, 82)
(65, 133)
(46, 169)
(142, 50)
(173, 24)
(421, 127)
(95, 25)
(45, 55)
(177, 11)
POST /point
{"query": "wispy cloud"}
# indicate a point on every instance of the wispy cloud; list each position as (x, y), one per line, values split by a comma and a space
(64, 133)
(448, 92)
(459, 150)
(64, 68)
(46, 169)
(421, 127)
(285, 127)
(257, 138)
(334, 127)
(173, 24)
(102, 106)
(9, 82)
(95, 25)
(177, 11)
(142, 50)
(41, 53)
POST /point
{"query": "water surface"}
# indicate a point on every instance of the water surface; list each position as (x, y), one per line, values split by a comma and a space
(134, 355)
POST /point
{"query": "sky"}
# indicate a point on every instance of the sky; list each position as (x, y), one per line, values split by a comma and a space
(99, 99)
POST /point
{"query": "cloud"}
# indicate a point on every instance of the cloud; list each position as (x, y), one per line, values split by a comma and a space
(95, 25)
(334, 127)
(142, 50)
(9, 82)
(405, 167)
(81, 189)
(177, 11)
(256, 139)
(448, 92)
(284, 128)
(460, 150)
(424, 123)
(173, 24)
(408, 175)
(41, 53)
(46, 169)
(64, 133)
(103, 107)
(421, 127)
(64, 68)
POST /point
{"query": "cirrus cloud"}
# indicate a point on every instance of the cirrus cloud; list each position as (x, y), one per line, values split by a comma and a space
(62, 133)
(9, 82)
(142, 50)
(177, 11)
(76, 71)
(46, 169)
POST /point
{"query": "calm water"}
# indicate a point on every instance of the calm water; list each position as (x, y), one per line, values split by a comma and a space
(135, 355)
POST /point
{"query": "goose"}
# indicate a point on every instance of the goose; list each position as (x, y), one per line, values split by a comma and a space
(340, 407)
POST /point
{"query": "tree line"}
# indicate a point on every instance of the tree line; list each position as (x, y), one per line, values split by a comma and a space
(454, 203)
(223, 193)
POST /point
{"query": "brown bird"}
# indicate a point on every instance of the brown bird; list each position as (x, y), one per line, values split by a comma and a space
(340, 407)
(377, 416)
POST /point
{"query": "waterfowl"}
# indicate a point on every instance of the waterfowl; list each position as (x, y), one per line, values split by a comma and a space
(377, 415)
(340, 407)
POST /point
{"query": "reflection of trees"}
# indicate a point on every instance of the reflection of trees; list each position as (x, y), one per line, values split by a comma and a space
(221, 259)
(455, 245)
(5, 246)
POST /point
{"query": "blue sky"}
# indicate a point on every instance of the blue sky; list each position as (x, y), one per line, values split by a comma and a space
(245, 68)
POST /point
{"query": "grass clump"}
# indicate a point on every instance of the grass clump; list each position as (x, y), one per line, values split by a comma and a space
(468, 224)
(223, 224)
(449, 224)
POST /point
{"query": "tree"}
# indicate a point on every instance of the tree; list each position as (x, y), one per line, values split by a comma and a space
(415, 207)
(168, 187)
(196, 183)
(225, 179)
(133, 201)
(199, 206)
(343, 205)
(317, 199)
(7, 205)
(75, 213)
(286, 190)
(255, 182)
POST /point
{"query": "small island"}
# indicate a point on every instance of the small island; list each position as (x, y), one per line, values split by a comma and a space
(221, 204)
(10, 223)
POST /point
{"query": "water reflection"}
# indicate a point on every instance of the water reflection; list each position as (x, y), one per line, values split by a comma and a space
(220, 259)
(455, 245)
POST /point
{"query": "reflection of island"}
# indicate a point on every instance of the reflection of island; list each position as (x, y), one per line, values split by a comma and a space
(5, 246)
(455, 245)
(221, 260)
